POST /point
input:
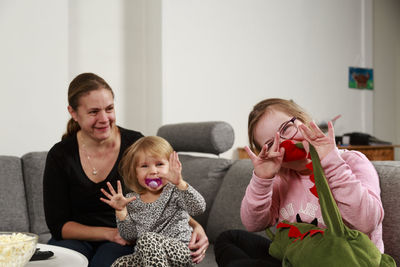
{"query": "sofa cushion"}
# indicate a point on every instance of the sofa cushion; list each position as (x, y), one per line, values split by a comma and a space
(214, 137)
(205, 175)
(389, 177)
(13, 208)
(33, 168)
(225, 213)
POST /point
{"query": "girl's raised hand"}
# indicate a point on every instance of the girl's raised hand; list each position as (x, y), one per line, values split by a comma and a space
(323, 143)
(175, 169)
(268, 162)
(116, 199)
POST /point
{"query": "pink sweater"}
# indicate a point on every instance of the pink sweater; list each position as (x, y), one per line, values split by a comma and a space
(354, 184)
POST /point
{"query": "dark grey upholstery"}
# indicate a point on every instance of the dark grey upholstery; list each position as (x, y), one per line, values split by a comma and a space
(389, 174)
(221, 181)
(204, 174)
(33, 167)
(213, 137)
(13, 207)
(225, 213)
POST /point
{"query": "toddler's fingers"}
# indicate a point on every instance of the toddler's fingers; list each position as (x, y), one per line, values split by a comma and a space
(112, 191)
(131, 199)
(119, 187)
(105, 193)
(105, 201)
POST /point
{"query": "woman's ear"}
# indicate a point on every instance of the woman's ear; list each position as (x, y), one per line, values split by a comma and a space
(72, 112)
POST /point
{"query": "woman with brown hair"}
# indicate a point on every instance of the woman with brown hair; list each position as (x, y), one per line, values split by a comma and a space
(85, 160)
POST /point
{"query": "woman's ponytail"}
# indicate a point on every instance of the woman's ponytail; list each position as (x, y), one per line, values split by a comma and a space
(72, 128)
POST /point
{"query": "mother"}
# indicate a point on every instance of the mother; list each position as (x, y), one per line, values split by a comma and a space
(79, 165)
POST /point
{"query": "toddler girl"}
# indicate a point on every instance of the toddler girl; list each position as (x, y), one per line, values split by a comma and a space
(156, 213)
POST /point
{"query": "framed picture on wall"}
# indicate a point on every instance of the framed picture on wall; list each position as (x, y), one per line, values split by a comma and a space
(361, 78)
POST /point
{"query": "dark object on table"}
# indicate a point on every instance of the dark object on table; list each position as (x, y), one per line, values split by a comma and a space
(41, 255)
(363, 139)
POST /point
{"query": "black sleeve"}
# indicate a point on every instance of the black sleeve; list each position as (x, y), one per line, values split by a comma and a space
(55, 195)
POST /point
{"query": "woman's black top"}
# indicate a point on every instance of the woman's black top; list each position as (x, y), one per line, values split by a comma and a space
(69, 195)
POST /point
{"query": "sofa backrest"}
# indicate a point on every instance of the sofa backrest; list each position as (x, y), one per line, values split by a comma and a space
(206, 176)
(13, 208)
(205, 171)
(225, 213)
(212, 137)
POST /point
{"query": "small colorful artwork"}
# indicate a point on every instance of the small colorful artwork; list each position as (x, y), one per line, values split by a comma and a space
(361, 78)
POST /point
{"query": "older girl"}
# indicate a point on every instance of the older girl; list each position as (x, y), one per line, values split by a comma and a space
(280, 189)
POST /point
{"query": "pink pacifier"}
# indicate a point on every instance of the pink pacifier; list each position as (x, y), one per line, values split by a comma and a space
(153, 182)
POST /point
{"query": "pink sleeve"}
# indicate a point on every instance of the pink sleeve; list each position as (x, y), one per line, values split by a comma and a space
(354, 183)
(258, 208)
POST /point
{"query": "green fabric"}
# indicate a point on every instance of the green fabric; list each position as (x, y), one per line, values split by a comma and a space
(338, 245)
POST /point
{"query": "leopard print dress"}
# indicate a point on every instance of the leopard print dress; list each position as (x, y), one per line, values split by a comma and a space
(161, 228)
(155, 250)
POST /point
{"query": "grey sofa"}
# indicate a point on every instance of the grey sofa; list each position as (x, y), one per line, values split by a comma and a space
(221, 181)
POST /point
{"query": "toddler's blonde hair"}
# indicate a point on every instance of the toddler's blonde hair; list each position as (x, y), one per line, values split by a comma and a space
(151, 145)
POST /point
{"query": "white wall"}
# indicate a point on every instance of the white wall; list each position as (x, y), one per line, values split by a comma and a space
(387, 70)
(222, 57)
(97, 44)
(185, 60)
(33, 71)
(45, 44)
(143, 65)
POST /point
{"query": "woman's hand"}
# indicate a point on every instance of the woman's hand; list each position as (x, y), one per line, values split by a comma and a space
(198, 243)
(116, 199)
(268, 162)
(323, 143)
(112, 235)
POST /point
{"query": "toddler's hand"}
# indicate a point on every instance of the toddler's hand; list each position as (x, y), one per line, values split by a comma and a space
(175, 168)
(116, 199)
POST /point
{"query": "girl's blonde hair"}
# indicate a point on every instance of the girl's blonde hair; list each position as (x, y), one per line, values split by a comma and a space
(287, 106)
(151, 145)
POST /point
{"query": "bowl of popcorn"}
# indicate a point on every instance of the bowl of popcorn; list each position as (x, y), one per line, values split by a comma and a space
(16, 249)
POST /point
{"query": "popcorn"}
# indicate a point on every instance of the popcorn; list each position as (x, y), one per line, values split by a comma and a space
(16, 249)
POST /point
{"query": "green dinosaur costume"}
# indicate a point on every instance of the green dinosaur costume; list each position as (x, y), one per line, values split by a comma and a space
(302, 244)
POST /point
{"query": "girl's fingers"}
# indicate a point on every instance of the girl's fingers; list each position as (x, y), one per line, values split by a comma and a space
(174, 160)
(306, 146)
(277, 154)
(275, 145)
(177, 160)
(316, 130)
(119, 187)
(306, 132)
(331, 131)
(251, 154)
(105, 201)
(105, 193)
(111, 188)
(131, 199)
(263, 152)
